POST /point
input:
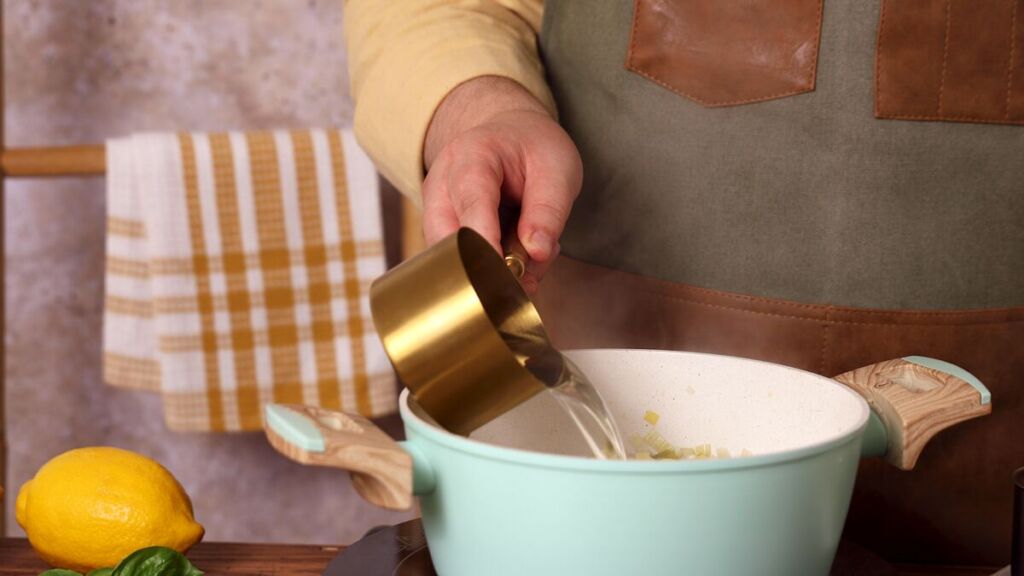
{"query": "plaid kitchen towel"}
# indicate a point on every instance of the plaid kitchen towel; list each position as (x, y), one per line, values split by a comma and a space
(238, 267)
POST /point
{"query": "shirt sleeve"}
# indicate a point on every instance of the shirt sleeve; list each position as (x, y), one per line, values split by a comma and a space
(406, 55)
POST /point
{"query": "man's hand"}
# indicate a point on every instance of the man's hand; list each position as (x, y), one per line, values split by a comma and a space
(491, 142)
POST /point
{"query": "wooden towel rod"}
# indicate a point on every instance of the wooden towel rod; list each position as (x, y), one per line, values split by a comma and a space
(54, 161)
(91, 160)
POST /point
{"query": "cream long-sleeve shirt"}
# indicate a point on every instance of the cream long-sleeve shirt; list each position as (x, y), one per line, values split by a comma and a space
(406, 55)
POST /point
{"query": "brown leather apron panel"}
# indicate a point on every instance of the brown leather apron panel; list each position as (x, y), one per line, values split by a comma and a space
(727, 53)
(950, 60)
(955, 506)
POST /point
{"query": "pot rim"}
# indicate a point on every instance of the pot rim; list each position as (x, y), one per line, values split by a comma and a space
(478, 448)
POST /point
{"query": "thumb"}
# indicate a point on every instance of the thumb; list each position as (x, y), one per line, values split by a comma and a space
(547, 200)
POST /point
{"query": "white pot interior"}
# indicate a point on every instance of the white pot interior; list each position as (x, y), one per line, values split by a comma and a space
(727, 402)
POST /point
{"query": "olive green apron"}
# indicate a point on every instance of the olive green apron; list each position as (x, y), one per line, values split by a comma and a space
(824, 185)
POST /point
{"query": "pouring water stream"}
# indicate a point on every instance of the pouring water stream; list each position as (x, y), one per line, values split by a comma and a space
(584, 404)
(569, 386)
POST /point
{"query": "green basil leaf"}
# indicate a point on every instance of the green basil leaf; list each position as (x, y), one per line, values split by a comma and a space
(101, 572)
(155, 561)
(60, 572)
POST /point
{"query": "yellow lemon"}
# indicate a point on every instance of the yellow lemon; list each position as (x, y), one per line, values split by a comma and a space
(89, 508)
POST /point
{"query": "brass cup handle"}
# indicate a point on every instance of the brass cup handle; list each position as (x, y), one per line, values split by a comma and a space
(516, 256)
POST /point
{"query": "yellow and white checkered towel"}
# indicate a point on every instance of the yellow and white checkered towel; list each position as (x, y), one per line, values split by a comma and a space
(238, 267)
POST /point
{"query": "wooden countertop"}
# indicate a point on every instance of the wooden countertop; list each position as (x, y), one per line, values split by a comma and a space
(215, 558)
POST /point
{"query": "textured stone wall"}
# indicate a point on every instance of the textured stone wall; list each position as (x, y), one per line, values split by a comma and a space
(81, 71)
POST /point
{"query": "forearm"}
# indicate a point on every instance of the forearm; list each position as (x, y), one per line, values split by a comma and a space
(472, 103)
(406, 56)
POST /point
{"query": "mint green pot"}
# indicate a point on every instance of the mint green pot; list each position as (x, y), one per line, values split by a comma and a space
(497, 510)
(492, 511)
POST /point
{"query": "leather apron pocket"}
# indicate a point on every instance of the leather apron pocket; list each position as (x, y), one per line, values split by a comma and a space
(951, 60)
(727, 53)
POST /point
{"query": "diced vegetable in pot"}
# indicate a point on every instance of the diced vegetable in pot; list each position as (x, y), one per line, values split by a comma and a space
(653, 446)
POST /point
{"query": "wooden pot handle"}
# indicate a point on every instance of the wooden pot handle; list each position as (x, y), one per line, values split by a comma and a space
(916, 398)
(381, 470)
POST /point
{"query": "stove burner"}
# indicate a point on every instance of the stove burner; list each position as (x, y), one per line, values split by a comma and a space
(390, 551)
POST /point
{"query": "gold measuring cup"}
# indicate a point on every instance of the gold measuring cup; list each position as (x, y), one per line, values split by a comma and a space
(461, 332)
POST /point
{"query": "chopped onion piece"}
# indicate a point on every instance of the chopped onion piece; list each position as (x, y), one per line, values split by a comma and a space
(657, 441)
(653, 446)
